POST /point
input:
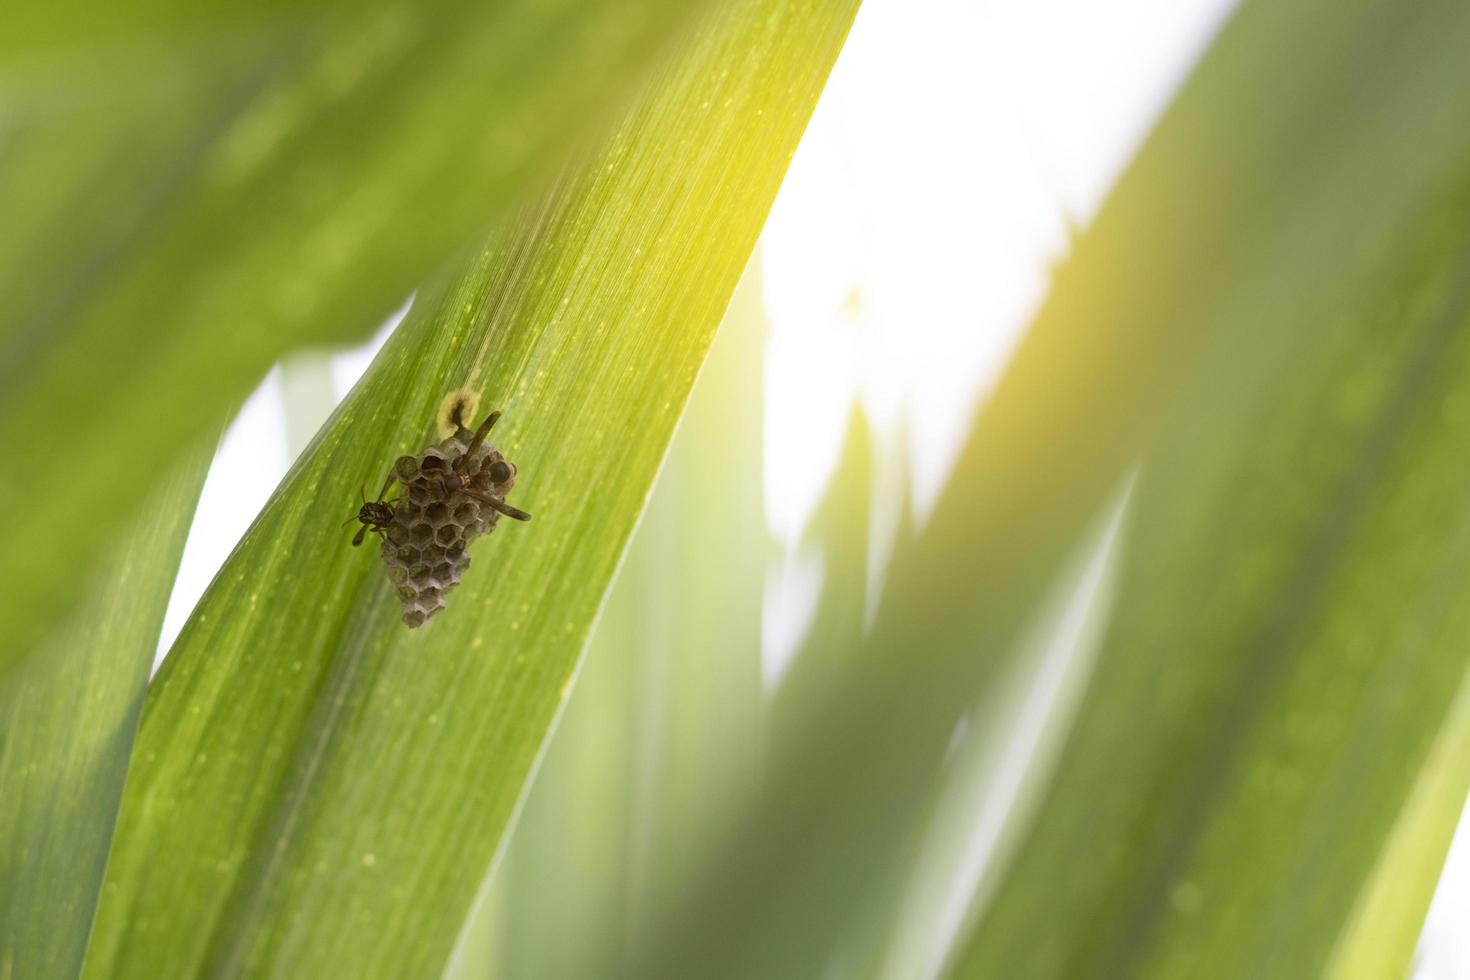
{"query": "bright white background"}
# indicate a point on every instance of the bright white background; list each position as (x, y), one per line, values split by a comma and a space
(953, 147)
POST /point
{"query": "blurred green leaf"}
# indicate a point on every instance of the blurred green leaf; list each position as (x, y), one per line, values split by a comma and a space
(1290, 629)
(1000, 762)
(308, 397)
(1308, 177)
(40, 29)
(184, 207)
(838, 536)
(659, 742)
(1380, 938)
(318, 790)
(69, 717)
(1288, 639)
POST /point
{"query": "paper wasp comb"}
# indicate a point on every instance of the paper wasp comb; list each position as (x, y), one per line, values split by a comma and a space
(453, 492)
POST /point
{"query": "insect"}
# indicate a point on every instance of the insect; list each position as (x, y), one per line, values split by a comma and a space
(457, 478)
(375, 515)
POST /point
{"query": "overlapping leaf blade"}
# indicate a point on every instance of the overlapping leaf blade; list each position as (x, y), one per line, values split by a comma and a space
(1290, 631)
(1285, 186)
(327, 787)
(1261, 706)
(185, 206)
(1380, 937)
(69, 722)
(659, 743)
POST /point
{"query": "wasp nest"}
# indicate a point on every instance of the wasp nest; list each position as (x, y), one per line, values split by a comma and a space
(453, 492)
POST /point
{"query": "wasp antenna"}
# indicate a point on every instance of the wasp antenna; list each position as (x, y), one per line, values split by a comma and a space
(481, 433)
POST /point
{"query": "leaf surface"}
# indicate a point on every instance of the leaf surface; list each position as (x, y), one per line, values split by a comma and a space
(185, 205)
(326, 787)
(1297, 211)
(69, 717)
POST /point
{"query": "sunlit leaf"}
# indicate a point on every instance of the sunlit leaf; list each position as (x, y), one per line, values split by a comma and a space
(659, 742)
(1287, 642)
(317, 789)
(1293, 195)
(184, 206)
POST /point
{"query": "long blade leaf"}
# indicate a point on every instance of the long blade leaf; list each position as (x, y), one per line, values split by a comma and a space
(1380, 937)
(69, 722)
(317, 789)
(660, 739)
(1286, 647)
(181, 210)
(1279, 181)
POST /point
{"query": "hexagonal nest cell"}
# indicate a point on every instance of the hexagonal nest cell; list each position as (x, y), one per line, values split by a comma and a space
(439, 514)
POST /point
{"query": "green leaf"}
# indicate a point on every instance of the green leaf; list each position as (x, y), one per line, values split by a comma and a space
(306, 391)
(317, 789)
(999, 764)
(1289, 635)
(1288, 641)
(69, 722)
(839, 536)
(1380, 937)
(660, 738)
(184, 207)
(1291, 194)
(37, 30)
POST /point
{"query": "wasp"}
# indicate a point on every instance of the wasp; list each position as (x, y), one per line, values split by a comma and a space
(455, 480)
(375, 515)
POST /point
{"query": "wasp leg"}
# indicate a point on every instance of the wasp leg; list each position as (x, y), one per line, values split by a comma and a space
(498, 504)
